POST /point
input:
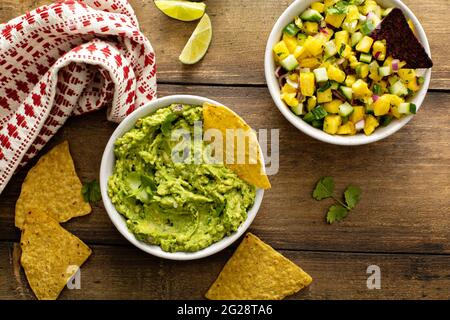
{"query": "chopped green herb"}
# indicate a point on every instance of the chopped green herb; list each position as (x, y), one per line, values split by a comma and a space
(324, 188)
(91, 191)
(166, 126)
(352, 195)
(336, 213)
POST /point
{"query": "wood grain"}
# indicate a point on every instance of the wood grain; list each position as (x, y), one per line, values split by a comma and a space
(127, 273)
(241, 29)
(404, 180)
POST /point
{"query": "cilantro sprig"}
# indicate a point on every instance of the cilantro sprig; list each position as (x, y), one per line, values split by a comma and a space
(91, 191)
(325, 189)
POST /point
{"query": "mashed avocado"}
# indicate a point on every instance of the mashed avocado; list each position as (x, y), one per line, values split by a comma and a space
(178, 206)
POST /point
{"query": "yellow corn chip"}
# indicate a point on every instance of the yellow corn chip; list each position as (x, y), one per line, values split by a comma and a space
(251, 169)
(50, 255)
(53, 187)
(257, 272)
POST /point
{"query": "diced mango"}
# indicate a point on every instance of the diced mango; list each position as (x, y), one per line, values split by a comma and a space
(330, 3)
(307, 84)
(341, 37)
(345, 51)
(311, 28)
(281, 50)
(314, 45)
(353, 61)
(290, 99)
(312, 102)
(365, 44)
(350, 80)
(331, 123)
(394, 111)
(293, 76)
(336, 74)
(357, 114)
(347, 128)
(335, 19)
(379, 50)
(352, 13)
(324, 96)
(395, 100)
(309, 63)
(300, 52)
(290, 41)
(287, 88)
(333, 106)
(361, 89)
(318, 6)
(382, 105)
(362, 69)
(371, 123)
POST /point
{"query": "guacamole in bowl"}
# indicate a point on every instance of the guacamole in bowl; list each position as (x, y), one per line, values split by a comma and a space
(178, 210)
(183, 206)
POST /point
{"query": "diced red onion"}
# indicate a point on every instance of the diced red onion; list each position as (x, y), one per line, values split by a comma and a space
(299, 96)
(279, 72)
(324, 31)
(395, 65)
(360, 125)
(282, 80)
(370, 15)
(375, 97)
(338, 95)
(377, 54)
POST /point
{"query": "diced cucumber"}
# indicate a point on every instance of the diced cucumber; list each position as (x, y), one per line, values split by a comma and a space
(407, 108)
(369, 109)
(356, 38)
(319, 112)
(309, 117)
(365, 57)
(291, 29)
(350, 26)
(311, 15)
(420, 80)
(399, 89)
(367, 27)
(298, 109)
(334, 85)
(393, 79)
(347, 92)
(321, 74)
(318, 124)
(301, 36)
(345, 109)
(386, 120)
(289, 63)
(377, 89)
(330, 49)
(384, 71)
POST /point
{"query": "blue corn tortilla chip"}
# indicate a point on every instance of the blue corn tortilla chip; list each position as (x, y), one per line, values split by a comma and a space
(401, 42)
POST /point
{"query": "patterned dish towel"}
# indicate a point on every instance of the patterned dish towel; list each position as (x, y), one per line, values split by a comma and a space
(64, 59)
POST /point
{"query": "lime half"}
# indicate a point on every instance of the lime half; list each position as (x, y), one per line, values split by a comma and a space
(181, 10)
(198, 43)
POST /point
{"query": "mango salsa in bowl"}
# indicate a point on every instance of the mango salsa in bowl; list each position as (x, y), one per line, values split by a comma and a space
(339, 69)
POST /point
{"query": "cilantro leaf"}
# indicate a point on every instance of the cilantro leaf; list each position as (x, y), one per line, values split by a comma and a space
(91, 191)
(166, 126)
(324, 188)
(352, 195)
(336, 213)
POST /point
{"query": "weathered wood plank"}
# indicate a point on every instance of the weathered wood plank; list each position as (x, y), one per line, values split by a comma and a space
(127, 273)
(241, 29)
(404, 181)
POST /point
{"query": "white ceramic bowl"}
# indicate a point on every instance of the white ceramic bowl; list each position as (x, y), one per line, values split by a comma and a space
(288, 16)
(106, 170)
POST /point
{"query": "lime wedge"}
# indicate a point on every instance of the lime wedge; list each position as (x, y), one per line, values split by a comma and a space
(198, 43)
(181, 10)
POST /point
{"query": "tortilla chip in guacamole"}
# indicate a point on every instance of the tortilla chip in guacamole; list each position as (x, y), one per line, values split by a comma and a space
(251, 169)
(257, 272)
(53, 187)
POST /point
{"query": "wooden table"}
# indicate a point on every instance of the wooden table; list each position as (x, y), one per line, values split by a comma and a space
(402, 223)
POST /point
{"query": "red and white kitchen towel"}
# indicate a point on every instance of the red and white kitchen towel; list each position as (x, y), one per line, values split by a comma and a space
(64, 59)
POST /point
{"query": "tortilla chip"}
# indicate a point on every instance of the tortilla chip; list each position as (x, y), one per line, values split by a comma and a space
(50, 255)
(52, 186)
(401, 42)
(257, 272)
(252, 169)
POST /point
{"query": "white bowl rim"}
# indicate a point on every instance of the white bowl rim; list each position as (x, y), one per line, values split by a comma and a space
(360, 139)
(107, 164)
